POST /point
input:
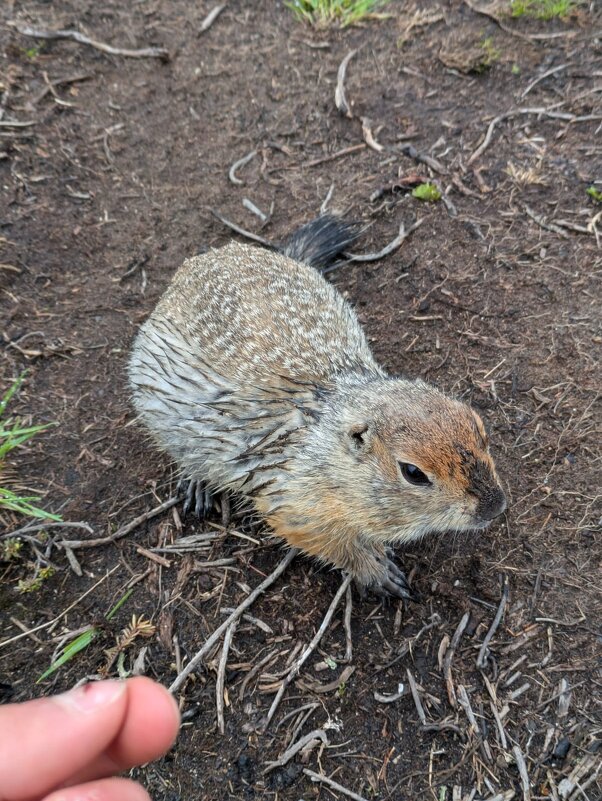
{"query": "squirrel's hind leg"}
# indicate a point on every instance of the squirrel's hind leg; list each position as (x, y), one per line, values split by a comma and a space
(196, 494)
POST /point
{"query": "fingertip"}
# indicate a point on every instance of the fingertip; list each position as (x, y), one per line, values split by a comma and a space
(102, 790)
(143, 691)
(149, 729)
(151, 724)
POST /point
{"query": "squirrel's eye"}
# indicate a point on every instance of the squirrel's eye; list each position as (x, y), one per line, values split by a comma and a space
(412, 474)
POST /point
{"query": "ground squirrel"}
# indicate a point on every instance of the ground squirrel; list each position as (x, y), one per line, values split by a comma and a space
(254, 374)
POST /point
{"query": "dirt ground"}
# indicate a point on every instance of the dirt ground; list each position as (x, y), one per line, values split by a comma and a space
(110, 168)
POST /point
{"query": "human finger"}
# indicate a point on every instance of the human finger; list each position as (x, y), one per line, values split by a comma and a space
(102, 790)
(149, 728)
(44, 742)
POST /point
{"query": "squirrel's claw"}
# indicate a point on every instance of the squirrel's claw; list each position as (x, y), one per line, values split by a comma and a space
(394, 582)
(195, 491)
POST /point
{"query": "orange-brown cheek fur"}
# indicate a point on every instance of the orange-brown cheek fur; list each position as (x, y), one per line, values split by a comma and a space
(307, 531)
(387, 464)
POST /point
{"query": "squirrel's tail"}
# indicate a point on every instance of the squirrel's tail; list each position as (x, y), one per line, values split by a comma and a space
(320, 241)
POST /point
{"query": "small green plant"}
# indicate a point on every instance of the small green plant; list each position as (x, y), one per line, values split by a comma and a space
(515, 70)
(594, 193)
(542, 9)
(427, 192)
(82, 641)
(34, 583)
(323, 13)
(33, 52)
(12, 435)
(10, 549)
(491, 53)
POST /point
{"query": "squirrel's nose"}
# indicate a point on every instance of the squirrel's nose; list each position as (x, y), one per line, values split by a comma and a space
(491, 504)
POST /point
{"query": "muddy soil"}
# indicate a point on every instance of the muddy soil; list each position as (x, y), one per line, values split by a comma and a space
(110, 168)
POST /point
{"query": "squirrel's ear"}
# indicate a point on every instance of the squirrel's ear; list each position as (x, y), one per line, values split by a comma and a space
(359, 436)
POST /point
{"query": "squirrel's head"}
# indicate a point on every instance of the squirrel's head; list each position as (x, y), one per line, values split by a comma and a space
(411, 461)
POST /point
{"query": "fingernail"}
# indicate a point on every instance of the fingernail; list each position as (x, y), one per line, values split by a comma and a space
(89, 697)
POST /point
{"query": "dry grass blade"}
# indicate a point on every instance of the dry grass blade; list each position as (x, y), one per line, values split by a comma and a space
(543, 112)
(56, 619)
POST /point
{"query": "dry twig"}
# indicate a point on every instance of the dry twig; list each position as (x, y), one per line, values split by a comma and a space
(346, 151)
(416, 697)
(121, 532)
(449, 655)
(464, 702)
(340, 100)
(300, 661)
(240, 163)
(211, 17)
(542, 77)
(221, 675)
(315, 736)
(529, 37)
(547, 226)
(543, 112)
(522, 771)
(249, 600)
(241, 231)
(250, 206)
(317, 777)
(435, 165)
(76, 36)
(392, 246)
(369, 137)
(484, 650)
(347, 624)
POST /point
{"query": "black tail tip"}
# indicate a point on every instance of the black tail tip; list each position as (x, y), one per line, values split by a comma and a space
(319, 242)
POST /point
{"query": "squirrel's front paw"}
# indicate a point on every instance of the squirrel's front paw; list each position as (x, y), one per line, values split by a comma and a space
(393, 582)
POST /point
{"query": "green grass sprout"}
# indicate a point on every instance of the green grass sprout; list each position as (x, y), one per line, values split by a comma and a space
(427, 192)
(594, 193)
(12, 435)
(323, 13)
(82, 641)
(542, 9)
